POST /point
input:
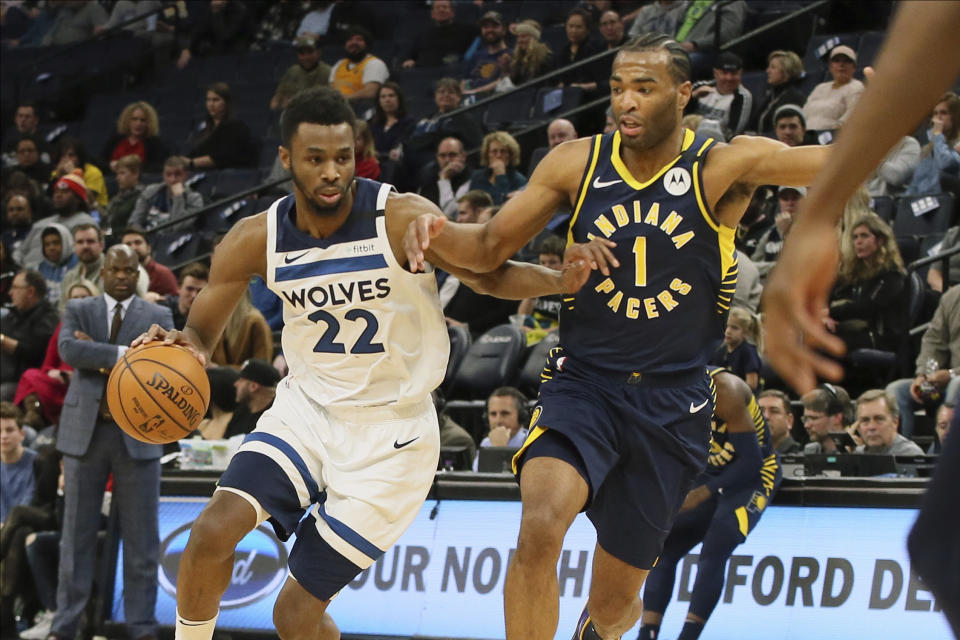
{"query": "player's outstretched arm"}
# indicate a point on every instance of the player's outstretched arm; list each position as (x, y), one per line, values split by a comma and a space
(239, 256)
(481, 248)
(919, 59)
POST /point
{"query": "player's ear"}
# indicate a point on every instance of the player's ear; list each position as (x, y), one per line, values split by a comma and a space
(683, 94)
(284, 157)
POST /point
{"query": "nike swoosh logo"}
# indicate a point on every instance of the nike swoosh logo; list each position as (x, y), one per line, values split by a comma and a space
(695, 408)
(401, 445)
(289, 259)
(601, 185)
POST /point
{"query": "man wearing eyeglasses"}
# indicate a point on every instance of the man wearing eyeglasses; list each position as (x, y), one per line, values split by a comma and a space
(823, 414)
(443, 182)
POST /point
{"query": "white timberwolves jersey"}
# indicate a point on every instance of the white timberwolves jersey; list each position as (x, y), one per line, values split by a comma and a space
(359, 329)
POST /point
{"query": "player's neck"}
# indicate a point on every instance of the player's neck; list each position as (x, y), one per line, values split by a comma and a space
(322, 226)
(643, 164)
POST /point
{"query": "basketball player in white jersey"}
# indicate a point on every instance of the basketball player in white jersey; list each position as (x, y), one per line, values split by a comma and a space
(352, 439)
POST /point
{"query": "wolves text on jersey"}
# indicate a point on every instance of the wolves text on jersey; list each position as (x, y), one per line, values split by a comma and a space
(338, 293)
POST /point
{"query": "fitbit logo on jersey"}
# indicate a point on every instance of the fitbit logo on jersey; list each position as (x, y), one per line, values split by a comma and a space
(337, 293)
(259, 566)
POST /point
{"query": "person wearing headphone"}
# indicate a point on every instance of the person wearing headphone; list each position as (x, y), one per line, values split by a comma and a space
(506, 416)
(826, 410)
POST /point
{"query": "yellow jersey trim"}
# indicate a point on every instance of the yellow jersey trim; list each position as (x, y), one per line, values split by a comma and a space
(621, 168)
(533, 435)
(742, 522)
(595, 156)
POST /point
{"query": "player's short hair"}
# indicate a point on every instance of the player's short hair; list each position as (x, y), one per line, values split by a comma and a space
(553, 245)
(319, 105)
(130, 162)
(679, 66)
(875, 394)
(36, 280)
(477, 199)
(779, 395)
(12, 412)
(196, 270)
(85, 226)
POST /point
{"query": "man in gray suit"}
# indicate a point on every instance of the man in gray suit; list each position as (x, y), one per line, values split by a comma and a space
(91, 340)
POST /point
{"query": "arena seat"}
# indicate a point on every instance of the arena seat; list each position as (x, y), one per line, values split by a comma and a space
(231, 181)
(528, 380)
(459, 345)
(509, 110)
(923, 214)
(490, 362)
(179, 247)
(883, 206)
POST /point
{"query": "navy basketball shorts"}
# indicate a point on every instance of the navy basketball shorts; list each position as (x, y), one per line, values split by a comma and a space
(639, 442)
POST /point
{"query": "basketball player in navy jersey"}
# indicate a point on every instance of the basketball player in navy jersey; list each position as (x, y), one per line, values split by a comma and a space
(742, 474)
(347, 453)
(623, 424)
(923, 37)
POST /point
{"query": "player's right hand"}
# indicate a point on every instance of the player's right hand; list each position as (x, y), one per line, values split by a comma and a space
(417, 238)
(595, 253)
(171, 336)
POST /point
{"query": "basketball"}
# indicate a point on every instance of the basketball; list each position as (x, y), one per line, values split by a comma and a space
(158, 393)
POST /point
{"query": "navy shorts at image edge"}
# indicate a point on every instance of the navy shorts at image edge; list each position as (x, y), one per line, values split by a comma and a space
(639, 447)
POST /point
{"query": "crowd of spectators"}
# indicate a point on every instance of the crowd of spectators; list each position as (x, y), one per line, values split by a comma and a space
(64, 207)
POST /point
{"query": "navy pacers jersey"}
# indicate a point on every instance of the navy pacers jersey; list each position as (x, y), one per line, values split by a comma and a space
(664, 308)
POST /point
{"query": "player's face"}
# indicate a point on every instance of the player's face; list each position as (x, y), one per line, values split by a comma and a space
(502, 412)
(321, 161)
(865, 244)
(776, 415)
(875, 424)
(11, 436)
(647, 104)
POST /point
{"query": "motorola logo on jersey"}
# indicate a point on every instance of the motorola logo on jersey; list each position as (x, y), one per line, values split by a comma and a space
(677, 181)
(338, 293)
(259, 565)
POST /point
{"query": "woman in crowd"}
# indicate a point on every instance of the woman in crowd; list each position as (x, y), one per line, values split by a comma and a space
(499, 154)
(866, 305)
(531, 58)
(390, 124)
(247, 335)
(222, 141)
(784, 77)
(72, 155)
(941, 154)
(365, 153)
(578, 47)
(830, 103)
(138, 128)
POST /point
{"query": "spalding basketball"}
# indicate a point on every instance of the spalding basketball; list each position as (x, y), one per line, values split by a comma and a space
(158, 393)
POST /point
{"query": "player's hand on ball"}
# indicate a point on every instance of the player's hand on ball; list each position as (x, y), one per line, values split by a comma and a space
(158, 333)
(596, 254)
(417, 238)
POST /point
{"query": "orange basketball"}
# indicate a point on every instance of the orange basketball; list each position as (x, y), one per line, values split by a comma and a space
(158, 393)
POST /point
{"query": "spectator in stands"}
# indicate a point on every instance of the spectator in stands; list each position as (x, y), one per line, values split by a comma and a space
(938, 363)
(611, 28)
(16, 464)
(542, 314)
(866, 305)
(168, 200)
(824, 412)
(19, 183)
(365, 153)
(193, 278)
(124, 10)
(278, 25)
(310, 71)
(784, 82)
(558, 131)
(771, 242)
(358, 76)
(893, 174)
(429, 131)
(530, 58)
(390, 124)
(775, 405)
(725, 99)
(69, 206)
(830, 103)
(129, 190)
(941, 428)
(71, 156)
(319, 21)
(74, 22)
(661, 16)
(446, 179)
(935, 275)
(28, 160)
(256, 388)
(247, 335)
(58, 258)
(941, 154)
(26, 329)
(739, 351)
(578, 47)
(790, 126)
(220, 27)
(223, 402)
(138, 128)
(500, 154)
(484, 68)
(443, 41)
(506, 410)
(877, 421)
(88, 245)
(163, 283)
(222, 141)
(470, 204)
(26, 121)
(18, 221)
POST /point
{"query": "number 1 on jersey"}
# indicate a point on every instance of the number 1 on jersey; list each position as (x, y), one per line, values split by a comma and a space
(640, 255)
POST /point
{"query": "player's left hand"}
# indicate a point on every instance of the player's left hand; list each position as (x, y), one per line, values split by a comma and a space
(793, 302)
(417, 238)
